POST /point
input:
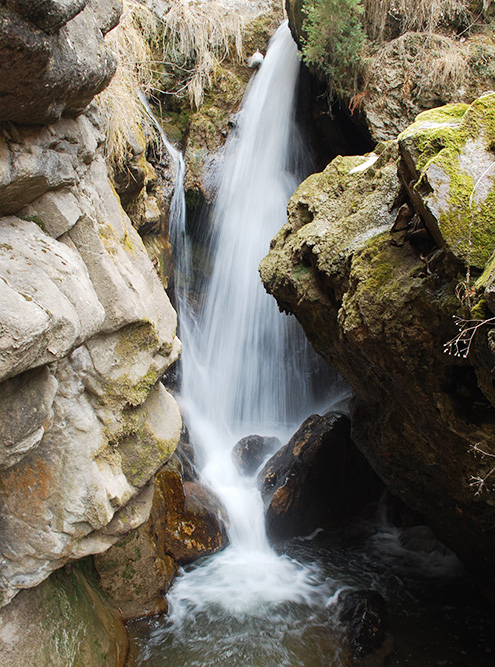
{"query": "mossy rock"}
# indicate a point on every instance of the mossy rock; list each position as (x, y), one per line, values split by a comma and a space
(449, 153)
(64, 621)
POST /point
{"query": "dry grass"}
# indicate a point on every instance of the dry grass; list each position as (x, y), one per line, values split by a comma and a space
(414, 15)
(178, 54)
(429, 63)
(122, 112)
(449, 68)
(197, 37)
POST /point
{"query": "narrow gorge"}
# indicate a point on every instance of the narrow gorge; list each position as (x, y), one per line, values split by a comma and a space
(246, 333)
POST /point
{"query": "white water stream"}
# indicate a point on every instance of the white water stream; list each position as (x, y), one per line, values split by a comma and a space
(246, 368)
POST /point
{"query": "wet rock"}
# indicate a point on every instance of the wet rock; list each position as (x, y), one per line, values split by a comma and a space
(190, 518)
(421, 538)
(318, 477)
(186, 457)
(63, 621)
(135, 573)
(53, 58)
(248, 454)
(364, 617)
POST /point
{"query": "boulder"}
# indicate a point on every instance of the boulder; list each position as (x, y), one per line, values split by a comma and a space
(63, 621)
(249, 453)
(317, 478)
(421, 538)
(189, 520)
(448, 171)
(380, 309)
(363, 615)
(53, 57)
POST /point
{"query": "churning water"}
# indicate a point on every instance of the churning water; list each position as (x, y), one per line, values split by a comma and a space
(246, 369)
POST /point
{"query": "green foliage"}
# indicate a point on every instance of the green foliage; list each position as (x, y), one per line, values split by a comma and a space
(334, 41)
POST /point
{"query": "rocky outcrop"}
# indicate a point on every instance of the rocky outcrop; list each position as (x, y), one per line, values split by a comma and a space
(318, 478)
(53, 57)
(87, 332)
(376, 285)
(64, 621)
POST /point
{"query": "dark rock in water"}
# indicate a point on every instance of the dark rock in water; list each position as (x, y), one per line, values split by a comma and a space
(187, 457)
(421, 538)
(189, 518)
(248, 453)
(318, 477)
(364, 617)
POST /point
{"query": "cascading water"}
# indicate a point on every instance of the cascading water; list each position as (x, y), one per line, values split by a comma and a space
(246, 368)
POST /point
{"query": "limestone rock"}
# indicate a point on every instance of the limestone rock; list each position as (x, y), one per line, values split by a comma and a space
(25, 413)
(44, 74)
(49, 305)
(90, 428)
(248, 454)
(64, 621)
(62, 500)
(49, 15)
(318, 477)
(56, 211)
(35, 160)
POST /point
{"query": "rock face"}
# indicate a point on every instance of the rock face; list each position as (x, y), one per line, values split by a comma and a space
(87, 332)
(317, 478)
(53, 57)
(64, 621)
(376, 295)
(419, 71)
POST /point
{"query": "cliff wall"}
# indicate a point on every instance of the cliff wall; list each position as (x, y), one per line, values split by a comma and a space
(86, 327)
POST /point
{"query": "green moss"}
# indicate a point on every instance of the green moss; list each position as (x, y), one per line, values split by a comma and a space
(37, 221)
(442, 142)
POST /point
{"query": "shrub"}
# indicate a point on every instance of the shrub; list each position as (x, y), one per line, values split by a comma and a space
(334, 41)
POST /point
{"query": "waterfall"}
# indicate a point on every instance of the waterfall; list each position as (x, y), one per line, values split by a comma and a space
(246, 368)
